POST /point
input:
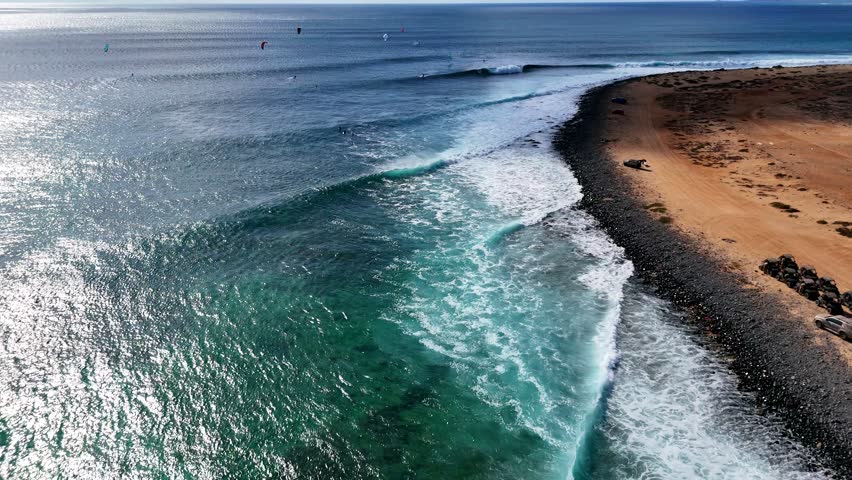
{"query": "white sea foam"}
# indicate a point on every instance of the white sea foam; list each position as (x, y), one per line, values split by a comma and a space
(525, 183)
(506, 69)
(673, 402)
(734, 62)
(525, 295)
(488, 310)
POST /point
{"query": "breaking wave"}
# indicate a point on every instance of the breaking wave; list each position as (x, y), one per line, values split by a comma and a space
(503, 232)
(515, 69)
(735, 62)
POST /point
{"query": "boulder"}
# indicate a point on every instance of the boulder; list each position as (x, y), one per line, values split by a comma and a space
(638, 164)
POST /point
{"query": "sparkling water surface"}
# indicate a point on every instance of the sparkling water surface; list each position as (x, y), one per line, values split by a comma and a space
(345, 257)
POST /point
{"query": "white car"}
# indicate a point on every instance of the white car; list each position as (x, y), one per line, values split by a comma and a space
(838, 324)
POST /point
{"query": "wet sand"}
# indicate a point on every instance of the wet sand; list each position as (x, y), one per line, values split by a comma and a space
(722, 147)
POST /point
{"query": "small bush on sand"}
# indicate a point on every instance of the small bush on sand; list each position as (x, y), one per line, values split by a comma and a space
(668, 220)
(845, 231)
(780, 205)
(660, 210)
(822, 222)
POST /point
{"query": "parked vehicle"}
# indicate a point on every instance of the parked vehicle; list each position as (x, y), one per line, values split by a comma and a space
(788, 261)
(808, 283)
(807, 271)
(827, 284)
(638, 164)
(790, 276)
(771, 266)
(830, 302)
(846, 299)
(837, 324)
(807, 287)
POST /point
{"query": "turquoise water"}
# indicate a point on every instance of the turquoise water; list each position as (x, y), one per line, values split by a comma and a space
(344, 257)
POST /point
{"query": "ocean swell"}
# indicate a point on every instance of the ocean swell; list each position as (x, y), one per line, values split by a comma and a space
(513, 69)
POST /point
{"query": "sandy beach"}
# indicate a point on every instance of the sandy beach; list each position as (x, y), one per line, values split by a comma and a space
(752, 163)
(743, 165)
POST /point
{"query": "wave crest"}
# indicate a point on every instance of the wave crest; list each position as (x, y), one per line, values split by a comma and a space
(513, 69)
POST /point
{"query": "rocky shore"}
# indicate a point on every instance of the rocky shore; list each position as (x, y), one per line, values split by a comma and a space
(774, 356)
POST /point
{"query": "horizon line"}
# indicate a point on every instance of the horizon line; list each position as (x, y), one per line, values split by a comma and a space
(108, 3)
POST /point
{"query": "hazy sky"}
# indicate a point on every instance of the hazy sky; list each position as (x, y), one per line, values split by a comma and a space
(147, 2)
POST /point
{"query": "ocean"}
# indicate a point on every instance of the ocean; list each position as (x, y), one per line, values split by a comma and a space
(349, 256)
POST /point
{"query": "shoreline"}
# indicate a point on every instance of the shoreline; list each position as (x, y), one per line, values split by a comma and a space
(772, 356)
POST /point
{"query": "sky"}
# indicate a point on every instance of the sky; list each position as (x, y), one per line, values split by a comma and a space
(237, 2)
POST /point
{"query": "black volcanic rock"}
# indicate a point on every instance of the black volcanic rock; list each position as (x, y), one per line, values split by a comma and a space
(808, 385)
